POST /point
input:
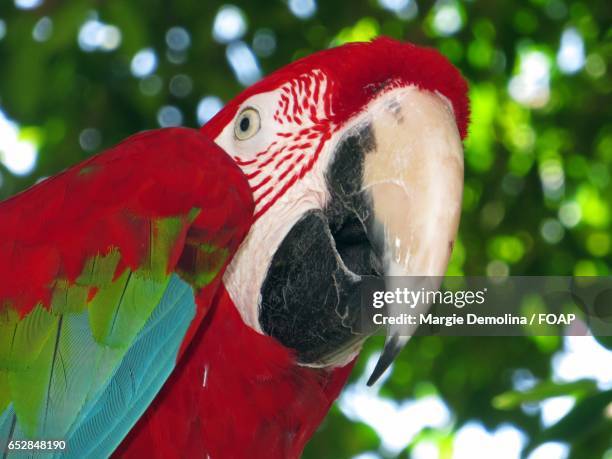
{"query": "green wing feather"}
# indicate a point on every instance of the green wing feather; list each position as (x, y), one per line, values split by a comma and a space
(52, 361)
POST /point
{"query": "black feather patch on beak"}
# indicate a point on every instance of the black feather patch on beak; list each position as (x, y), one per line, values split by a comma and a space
(310, 299)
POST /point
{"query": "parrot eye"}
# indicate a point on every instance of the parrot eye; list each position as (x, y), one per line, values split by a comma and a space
(247, 124)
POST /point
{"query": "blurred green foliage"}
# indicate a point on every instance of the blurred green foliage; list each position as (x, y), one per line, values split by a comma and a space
(538, 196)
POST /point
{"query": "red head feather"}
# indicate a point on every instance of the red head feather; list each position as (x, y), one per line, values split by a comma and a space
(357, 72)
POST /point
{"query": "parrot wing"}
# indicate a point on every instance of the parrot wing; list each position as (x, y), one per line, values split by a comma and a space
(102, 267)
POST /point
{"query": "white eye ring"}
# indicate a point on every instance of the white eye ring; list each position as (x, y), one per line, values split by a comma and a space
(247, 124)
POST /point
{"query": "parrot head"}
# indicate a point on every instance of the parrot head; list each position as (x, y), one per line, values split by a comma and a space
(354, 158)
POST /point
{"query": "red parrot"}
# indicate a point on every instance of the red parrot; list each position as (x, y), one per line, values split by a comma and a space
(194, 293)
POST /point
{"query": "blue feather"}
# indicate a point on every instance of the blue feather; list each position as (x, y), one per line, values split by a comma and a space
(101, 420)
(140, 376)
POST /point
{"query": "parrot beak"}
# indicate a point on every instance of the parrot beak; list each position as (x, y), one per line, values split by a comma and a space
(391, 203)
(414, 178)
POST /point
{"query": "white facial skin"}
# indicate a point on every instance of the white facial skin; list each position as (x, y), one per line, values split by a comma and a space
(415, 176)
(277, 135)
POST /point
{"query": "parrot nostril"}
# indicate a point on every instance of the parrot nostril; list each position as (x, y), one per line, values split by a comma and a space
(395, 108)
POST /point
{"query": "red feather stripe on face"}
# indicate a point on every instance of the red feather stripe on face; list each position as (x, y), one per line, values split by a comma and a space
(290, 154)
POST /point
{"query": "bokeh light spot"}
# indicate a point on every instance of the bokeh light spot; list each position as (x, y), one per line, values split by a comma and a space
(394, 5)
(43, 29)
(181, 85)
(178, 39)
(504, 443)
(229, 24)
(595, 66)
(570, 57)
(367, 455)
(243, 63)
(552, 177)
(555, 408)
(531, 86)
(582, 356)
(510, 249)
(143, 63)
(403, 9)
(28, 4)
(585, 268)
(98, 36)
(303, 9)
(593, 208)
(264, 42)
(598, 244)
(550, 450)
(176, 57)
(18, 155)
(447, 18)
(169, 116)
(570, 214)
(366, 29)
(552, 231)
(497, 268)
(90, 139)
(425, 450)
(555, 9)
(208, 107)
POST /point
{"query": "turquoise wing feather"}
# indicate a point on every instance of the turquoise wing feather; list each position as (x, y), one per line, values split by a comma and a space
(107, 417)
